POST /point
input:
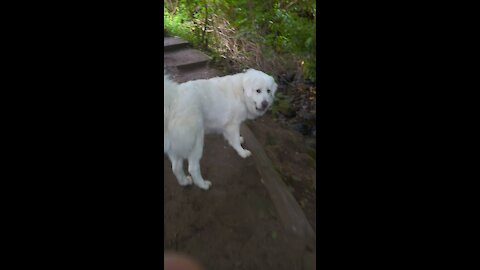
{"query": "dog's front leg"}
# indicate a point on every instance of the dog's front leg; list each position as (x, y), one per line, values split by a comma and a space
(232, 135)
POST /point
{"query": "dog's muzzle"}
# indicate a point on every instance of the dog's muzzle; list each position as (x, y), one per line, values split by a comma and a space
(263, 107)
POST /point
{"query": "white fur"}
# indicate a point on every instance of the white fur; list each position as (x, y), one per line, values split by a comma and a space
(216, 105)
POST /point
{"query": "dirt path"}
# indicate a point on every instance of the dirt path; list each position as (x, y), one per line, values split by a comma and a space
(234, 225)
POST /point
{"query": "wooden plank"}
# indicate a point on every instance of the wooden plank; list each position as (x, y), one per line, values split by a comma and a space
(290, 213)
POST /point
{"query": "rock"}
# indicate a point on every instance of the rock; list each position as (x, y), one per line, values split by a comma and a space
(300, 127)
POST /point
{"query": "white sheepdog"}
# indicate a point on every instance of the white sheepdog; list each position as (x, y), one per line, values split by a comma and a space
(216, 105)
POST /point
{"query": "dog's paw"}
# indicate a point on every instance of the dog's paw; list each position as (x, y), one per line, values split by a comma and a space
(241, 139)
(187, 181)
(245, 153)
(205, 185)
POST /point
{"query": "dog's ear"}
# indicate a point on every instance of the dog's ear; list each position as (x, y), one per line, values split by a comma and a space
(247, 85)
(274, 87)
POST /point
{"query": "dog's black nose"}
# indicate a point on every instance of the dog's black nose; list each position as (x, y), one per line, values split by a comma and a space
(264, 104)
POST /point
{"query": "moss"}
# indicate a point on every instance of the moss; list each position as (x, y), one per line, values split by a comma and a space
(270, 140)
(282, 104)
(295, 137)
(311, 161)
(312, 153)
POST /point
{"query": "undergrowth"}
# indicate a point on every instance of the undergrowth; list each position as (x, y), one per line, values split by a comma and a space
(277, 37)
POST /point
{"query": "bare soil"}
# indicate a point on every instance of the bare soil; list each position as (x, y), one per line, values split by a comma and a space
(234, 225)
(293, 157)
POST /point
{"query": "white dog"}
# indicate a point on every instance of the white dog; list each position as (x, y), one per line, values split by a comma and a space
(216, 105)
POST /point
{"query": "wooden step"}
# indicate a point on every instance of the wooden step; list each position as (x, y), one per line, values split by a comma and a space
(173, 43)
(194, 74)
(185, 59)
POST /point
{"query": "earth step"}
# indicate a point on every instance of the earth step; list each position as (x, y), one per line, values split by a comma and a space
(195, 74)
(173, 43)
(185, 59)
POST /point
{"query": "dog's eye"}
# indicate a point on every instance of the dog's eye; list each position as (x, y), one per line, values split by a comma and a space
(268, 91)
(258, 90)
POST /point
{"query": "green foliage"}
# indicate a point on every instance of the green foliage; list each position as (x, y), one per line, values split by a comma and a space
(177, 24)
(181, 24)
(279, 27)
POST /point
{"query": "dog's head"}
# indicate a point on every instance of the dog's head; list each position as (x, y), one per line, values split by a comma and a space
(259, 91)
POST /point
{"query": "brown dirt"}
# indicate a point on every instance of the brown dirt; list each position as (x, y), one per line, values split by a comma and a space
(234, 225)
(290, 139)
(292, 158)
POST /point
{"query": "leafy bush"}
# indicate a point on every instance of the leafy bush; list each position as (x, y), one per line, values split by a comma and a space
(251, 33)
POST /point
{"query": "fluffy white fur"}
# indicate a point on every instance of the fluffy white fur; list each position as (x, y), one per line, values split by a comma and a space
(216, 105)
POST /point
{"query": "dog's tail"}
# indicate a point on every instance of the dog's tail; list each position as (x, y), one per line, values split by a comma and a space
(168, 83)
(170, 91)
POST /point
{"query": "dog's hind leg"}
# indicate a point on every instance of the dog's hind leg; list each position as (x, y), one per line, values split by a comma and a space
(194, 164)
(194, 170)
(177, 168)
